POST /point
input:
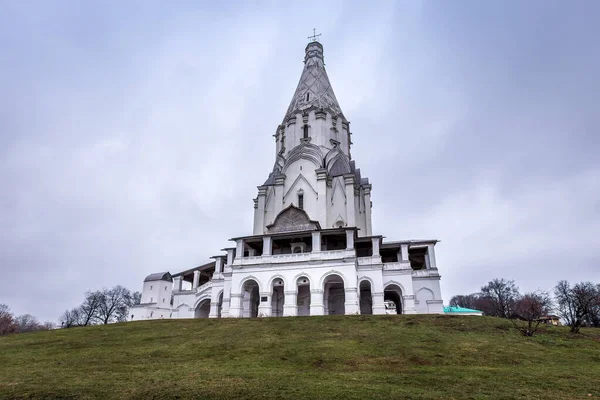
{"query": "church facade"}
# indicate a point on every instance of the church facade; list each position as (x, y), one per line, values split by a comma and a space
(312, 250)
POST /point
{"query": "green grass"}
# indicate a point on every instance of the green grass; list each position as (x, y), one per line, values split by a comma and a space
(353, 357)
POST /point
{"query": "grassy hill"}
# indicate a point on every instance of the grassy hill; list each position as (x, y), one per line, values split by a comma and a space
(355, 357)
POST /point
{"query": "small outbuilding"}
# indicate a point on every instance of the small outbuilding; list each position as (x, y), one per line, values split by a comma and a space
(456, 310)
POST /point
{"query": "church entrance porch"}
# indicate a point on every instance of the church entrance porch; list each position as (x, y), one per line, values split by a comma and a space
(250, 299)
(277, 298)
(303, 297)
(203, 309)
(393, 293)
(366, 298)
(334, 296)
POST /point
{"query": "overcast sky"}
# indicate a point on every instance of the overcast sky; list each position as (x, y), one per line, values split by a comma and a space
(133, 134)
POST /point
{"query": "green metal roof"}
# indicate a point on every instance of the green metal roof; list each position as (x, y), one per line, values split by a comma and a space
(458, 310)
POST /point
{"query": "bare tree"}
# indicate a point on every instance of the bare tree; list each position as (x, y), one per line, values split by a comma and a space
(528, 311)
(7, 323)
(499, 297)
(88, 311)
(29, 323)
(136, 298)
(576, 304)
(114, 304)
(69, 318)
(46, 326)
(594, 318)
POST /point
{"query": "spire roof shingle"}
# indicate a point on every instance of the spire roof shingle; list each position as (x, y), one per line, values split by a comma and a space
(314, 89)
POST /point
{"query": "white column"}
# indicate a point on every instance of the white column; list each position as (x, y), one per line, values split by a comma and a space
(349, 239)
(267, 245)
(290, 309)
(404, 253)
(239, 248)
(316, 242)
(196, 280)
(218, 266)
(375, 242)
(316, 302)
(177, 283)
(431, 254)
(350, 209)
(230, 256)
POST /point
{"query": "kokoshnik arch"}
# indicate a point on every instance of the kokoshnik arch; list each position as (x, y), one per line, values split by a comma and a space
(312, 250)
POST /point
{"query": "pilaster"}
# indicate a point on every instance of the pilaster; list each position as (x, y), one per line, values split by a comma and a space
(351, 305)
(378, 303)
(235, 307)
(350, 200)
(278, 205)
(264, 307)
(408, 305)
(316, 302)
(322, 198)
(259, 216)
(290, 309)
(367, 199)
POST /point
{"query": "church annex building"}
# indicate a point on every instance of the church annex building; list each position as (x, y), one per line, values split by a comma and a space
(312, 250)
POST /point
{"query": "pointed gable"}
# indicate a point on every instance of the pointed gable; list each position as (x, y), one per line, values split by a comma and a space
(292, 219)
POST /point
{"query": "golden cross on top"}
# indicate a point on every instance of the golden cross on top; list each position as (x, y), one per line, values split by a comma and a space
(314, 36)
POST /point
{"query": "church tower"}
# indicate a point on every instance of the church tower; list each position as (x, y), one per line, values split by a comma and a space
(312, 250)
(313, 167)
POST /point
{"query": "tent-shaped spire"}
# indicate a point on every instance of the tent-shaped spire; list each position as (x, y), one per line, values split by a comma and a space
(314, 89)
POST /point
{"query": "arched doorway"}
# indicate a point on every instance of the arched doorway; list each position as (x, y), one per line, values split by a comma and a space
(277, 298)
(303, 297)
(250, 299)
(334, 297)
(203, 309)
(392, 293)
(366, 298)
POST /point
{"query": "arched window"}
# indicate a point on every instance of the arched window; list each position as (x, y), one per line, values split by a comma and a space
(305, 131)
(301, 201)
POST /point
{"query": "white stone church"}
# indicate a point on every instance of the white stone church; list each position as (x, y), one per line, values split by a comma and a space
(312, 250)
